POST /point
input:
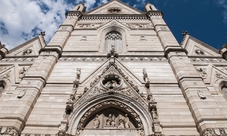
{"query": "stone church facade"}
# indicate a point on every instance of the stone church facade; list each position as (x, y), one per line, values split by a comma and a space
(113, 71)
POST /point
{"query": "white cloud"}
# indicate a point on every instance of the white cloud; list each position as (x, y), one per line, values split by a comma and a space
(23, 20)
(223, 4)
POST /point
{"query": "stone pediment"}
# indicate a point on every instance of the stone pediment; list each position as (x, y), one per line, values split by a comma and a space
(114, 7)
(196, 47)
(29, 48)
(112, 80)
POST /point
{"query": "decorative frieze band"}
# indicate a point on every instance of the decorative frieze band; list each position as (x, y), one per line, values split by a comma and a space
(212, 60)
(18, 60)
(115, 16)
(100, 59)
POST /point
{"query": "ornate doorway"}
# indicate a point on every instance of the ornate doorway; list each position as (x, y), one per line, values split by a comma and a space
(110, 118)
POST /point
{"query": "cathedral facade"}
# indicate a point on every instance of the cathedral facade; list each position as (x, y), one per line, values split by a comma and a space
(113, 71)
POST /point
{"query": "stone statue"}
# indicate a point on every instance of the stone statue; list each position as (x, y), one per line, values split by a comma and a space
(126, 121)
(112, 53)
(110, 120)
(22, 72)
(121, 124)
(154, 114)
(78, 73)
(145, 75)
(96, 122)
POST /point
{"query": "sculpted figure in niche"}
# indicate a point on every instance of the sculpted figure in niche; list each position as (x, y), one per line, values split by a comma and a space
(96, 122)
(110, 120)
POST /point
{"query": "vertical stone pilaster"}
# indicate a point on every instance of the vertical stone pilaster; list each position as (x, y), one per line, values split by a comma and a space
(27, 92)
(202, 105)
(59, 39)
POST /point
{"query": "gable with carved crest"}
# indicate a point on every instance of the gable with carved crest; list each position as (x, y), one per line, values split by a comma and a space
(114, 7)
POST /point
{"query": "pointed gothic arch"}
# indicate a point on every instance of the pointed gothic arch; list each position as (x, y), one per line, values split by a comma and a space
(114, 39)
(113, 26)
(85, 112)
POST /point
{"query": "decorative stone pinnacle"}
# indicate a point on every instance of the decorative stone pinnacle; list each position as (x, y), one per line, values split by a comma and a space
(184, 32)
(224, 45)
(43, 33)
(2, 45)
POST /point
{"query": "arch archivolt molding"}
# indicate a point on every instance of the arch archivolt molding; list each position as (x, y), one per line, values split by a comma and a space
(93, 106)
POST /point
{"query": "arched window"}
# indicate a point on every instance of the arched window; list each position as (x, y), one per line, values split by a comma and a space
(114, 39)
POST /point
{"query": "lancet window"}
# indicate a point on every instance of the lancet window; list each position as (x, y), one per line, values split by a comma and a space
(114, 39)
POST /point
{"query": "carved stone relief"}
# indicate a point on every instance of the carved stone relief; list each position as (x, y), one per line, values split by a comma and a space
(202, 71)
(8, 131)
(114, 10)
(22, 72)
(199, 52)
(143, 38)
(27, 52)
(83, 38)
(215, 132)
(139, 26)
(21, 94)
(110, 118)
(88, 26)
(201, 95)
(219, 75)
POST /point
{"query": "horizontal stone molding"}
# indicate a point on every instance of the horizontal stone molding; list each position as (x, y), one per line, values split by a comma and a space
(115, 16)
(101, 59)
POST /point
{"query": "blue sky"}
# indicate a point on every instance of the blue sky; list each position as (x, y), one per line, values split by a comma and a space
(21, 20)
